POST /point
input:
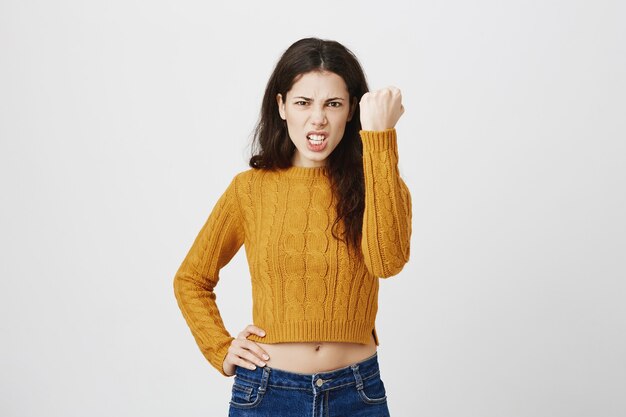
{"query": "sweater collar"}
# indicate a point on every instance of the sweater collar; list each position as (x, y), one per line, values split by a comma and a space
(303, 172)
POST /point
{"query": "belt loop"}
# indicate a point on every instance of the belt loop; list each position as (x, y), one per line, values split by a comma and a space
(357, 376)
(264, 378)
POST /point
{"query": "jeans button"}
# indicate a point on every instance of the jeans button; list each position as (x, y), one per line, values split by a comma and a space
(319, 382)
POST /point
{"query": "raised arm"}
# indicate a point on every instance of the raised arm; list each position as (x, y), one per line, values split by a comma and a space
(217, 242)
(387, 217)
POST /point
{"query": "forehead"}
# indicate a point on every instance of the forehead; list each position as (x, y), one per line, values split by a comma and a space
(319, 84)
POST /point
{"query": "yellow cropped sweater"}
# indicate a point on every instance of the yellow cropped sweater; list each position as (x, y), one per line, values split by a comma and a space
(306, 285)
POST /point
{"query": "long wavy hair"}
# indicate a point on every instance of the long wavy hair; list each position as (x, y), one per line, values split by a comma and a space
(272, 148)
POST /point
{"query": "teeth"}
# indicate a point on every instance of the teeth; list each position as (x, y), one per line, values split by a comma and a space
(318, 138)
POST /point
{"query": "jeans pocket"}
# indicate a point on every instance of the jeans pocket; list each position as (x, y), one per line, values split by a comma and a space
(245, 394)
(373, 390)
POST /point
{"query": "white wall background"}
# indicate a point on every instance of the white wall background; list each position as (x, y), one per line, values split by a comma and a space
(121, 123)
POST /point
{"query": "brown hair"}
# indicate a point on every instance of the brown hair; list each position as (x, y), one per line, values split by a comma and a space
(272, 148)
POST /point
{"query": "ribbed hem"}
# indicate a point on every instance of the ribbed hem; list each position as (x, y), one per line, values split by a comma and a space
(313, 331)
(304, 172)
(379, 140)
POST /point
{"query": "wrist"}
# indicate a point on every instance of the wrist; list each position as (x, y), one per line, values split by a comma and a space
(373, 127)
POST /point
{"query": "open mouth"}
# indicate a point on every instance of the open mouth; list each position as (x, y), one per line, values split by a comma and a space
(316, 139)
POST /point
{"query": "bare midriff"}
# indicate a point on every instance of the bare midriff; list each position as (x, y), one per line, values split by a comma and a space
(314, 357)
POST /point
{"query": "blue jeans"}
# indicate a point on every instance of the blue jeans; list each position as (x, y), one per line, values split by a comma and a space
(355, 390)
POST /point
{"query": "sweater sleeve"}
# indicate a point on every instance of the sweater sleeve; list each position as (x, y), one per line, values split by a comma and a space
(387, 216)
(217, 242)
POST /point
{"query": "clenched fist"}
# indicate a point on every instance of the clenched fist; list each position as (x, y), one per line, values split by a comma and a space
(381, 109)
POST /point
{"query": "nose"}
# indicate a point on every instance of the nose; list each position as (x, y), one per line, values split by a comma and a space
(318, 117)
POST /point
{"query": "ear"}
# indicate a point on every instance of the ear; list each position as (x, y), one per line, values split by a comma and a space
(281, 106)
(352, 108)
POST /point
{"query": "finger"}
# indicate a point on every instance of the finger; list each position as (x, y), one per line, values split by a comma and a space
(251, 329)
(245, 357)
(244, 363)
(244, 343)
(256, 330)
(258, 351)
(242, 346)
(254, 354)
(236, 355)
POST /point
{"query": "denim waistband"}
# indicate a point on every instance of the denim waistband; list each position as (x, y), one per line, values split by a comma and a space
(317, 382)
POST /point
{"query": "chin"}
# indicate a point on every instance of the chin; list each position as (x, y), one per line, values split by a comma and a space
(317, 157)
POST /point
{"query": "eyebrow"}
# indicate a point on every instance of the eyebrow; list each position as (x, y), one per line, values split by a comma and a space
(310, 99)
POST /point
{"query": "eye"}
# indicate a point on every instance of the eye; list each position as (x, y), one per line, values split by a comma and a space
(334, 104)
(300, 103)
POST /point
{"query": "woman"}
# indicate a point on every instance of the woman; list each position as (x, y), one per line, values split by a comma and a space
(323, 213)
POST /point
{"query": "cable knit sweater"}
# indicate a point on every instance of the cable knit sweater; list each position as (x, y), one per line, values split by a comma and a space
(306, 284)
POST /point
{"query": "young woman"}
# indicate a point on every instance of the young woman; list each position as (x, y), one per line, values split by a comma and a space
(323, 214)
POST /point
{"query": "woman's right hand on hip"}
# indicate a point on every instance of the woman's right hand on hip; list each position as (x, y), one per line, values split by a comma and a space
(244, 352)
